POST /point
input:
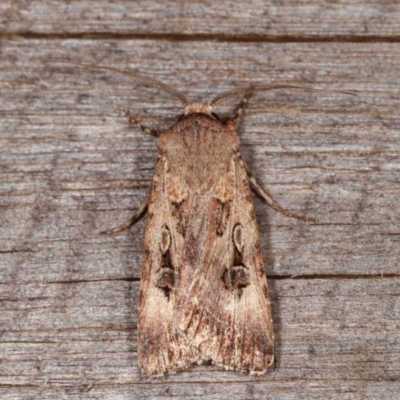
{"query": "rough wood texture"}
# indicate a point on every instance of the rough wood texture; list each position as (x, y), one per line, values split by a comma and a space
(71, 166)
(295, 20)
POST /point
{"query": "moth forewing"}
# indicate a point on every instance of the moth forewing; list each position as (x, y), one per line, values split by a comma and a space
(161, 347)
(209, 270)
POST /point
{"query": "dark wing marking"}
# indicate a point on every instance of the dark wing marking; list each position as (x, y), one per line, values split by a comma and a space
(161, 346)
(222, 302)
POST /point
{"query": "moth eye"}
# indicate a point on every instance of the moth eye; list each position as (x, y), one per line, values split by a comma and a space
(181, 117)
(216, 116)
(238, 237)
(165, 240)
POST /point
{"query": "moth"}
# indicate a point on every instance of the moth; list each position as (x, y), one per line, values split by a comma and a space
(203, 290)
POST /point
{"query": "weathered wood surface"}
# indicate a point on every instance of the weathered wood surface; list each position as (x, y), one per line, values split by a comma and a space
(72, 166)
(252, 19)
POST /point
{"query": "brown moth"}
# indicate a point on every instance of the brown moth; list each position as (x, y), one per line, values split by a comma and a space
(203, 291)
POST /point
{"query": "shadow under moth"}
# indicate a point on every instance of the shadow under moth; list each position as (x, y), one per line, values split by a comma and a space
(203, 291)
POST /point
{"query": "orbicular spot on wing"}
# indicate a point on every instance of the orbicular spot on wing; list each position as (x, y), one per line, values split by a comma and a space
(165, 240)
(238, 238)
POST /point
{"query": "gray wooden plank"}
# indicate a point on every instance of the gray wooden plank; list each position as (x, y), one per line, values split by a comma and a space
(73, 335)
(71, 166)
(302, 390)
(253, 19)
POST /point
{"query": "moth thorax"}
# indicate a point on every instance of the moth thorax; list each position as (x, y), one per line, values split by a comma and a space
(198, 108)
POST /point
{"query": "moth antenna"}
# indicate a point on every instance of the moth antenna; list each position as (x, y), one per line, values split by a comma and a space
(148, 81)
(263, 88)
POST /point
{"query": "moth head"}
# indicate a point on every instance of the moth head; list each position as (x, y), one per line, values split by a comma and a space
(198, 108)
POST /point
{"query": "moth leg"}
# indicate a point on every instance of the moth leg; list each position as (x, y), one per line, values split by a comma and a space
(271, 202)
(136, 216)
(135, 122)
(235, 120)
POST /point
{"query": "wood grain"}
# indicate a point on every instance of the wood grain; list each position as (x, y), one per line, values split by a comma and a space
(250, 20)
(71, 166)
